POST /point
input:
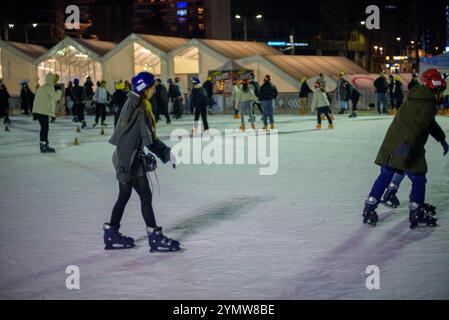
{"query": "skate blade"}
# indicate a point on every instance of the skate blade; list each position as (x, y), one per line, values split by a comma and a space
(422, 225)
(164, 251)
(112, 248)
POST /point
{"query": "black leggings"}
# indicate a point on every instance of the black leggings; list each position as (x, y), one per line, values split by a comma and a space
(100, 112)
(43, 121)
(142, 188)
(203, 112)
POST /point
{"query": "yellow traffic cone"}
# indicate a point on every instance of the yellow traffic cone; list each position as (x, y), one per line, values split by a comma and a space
(76, 142)
(78, 130)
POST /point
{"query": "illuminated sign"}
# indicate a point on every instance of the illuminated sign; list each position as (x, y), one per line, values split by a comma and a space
(182, 13)
(181, 5)
(286, 44)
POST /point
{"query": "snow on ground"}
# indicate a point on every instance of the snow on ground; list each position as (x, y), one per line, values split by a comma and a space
(295, 235)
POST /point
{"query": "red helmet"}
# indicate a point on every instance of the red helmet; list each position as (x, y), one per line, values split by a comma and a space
(433, 79)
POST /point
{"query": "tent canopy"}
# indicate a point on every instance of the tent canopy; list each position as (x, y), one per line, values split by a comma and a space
(311, 66)
(239, 49)
(165, 44)
(101, 48)
(230, 66)
(30, 51)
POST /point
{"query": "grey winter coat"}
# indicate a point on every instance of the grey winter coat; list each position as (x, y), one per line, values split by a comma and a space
(132, 133)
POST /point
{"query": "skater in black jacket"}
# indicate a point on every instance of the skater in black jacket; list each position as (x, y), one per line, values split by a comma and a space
(135, 132)
(4, 103)
(118, 100)
(199, 100)
(162, 101)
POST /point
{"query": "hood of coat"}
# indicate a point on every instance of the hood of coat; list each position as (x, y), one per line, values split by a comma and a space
(422, 93)
(50, 79)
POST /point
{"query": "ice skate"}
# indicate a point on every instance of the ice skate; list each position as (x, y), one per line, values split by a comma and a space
(104, 124)
(114, 240)
(253, 126)
(369, 212)
(95, 124)
(390, 199)
(7, 121)
(420, 216)
(83, 125)
(323, 117)
(242, 127)
(45, 148)
(265, 128)
(432, 210)
(160, 243)
(353, 115)
(272, 127)
(236, 116)
(318, 126)
(332, 117)
(331, 126)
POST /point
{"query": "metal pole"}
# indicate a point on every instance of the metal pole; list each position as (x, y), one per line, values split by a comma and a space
(245, 30)
(26, 34)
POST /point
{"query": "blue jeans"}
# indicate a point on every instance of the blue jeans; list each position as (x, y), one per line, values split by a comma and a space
(419, 181)
(268, 111)
(344, 105)
(381, 102)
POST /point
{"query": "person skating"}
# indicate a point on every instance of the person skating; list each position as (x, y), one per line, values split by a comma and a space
(4, 103)
(162, 101)
(200, 101)
(118, 100)
(343, 93)
(390, 93)
(304, 96)
(246, 98)
(69, 98)
(267, 95)
(79, 99)
(26, 99)
(414, 82)
(175, 95)
(321, 103)
(101, 98)
(208, 85)
(234, 92)
(255, 87)
(398, 93)
(381, 86)
(136, 132)
(45, 107)
(355, 97)
(403, 149)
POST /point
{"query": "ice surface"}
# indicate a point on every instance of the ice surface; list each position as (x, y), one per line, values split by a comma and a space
(294, 235)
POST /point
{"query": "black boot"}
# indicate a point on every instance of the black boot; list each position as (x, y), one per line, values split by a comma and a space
(45, 148)
(369, 212)
(420, 215)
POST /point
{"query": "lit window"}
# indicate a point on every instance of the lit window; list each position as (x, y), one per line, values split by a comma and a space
(201, 26)
(200, 10)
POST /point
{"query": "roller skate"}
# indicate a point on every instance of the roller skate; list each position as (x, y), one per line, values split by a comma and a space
(369, 212)
(242, 127)
(419, 215)
(160, 243)
(114, 240)
(390, 199)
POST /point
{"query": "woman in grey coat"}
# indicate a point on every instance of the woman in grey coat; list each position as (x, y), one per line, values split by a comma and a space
(133, 136)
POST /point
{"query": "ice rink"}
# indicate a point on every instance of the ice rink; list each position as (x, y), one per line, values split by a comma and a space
(295, 235)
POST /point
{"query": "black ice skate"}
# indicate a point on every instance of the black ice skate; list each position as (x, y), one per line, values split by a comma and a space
(369, 212)
(432, 210)
(114, 240)
(420, 216)
(45, 148)
(160, 243)
(390, 199)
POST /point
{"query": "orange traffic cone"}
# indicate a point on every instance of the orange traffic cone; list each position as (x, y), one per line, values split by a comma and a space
(6, 128)
(78, 130)
(77, 142)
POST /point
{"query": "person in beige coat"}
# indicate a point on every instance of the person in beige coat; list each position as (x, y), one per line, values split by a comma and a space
(321, 103)
(244, 99)
(44, 107)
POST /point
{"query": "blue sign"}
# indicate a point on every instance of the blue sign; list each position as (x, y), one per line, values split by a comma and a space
(182, 5)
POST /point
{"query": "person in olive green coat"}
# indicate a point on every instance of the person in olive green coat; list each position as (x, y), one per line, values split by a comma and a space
(403, 151)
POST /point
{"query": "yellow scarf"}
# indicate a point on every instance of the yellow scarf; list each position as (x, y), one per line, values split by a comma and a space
(149, 110)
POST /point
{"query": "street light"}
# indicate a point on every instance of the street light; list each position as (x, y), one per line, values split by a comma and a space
(11, 26)
(34, 25)
(362, 23)
(245, 29)
(398, 38)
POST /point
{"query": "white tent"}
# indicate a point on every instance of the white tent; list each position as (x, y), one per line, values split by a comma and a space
(74, 58)
(16, 64)
(140, 52)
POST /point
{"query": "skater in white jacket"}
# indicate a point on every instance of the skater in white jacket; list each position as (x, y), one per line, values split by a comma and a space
(320, 102)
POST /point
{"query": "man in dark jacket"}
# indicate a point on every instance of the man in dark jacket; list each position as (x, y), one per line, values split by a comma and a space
(79, 98)
(403, 151)
(208, 85)
(176, 98)
(118, 100)
(199, 99)
(26, 98)
(414, 82)
(254, 85)
(355, 97)
(398, 92)
(267, 94)
(381, 86)
(4, 103)
(162, 101)
(303, 96)
(343, 93)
